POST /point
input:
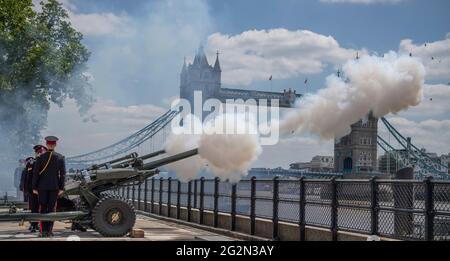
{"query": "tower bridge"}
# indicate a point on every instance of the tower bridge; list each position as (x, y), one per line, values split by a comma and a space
(201, 76)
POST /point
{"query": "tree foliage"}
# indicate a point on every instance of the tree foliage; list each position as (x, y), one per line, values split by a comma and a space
(42, 61)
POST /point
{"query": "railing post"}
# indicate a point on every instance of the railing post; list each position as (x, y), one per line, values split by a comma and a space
(189, 203)
(195, 193)
(302, 203)
(123, 192)
(216, 202)
(132, 194)
(178, 199)
(139, 197)
(152, 196)
(128, 191)
(145, 195)
(373, 206)
(334, 207)
(202, 195)
(276, 183)
(429, 209)
(161, 180)
(252, 205)
(169, 193)
(233, 207)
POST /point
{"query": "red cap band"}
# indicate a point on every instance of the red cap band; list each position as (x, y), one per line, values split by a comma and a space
(51, 142)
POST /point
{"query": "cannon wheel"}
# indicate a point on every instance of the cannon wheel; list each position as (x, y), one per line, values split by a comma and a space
(113, 216)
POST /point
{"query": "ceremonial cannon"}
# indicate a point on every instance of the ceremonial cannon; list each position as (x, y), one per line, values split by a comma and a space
(87, 200)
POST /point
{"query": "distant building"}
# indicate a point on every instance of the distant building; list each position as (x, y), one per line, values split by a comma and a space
(265, 173)
(387, 163)
(300, 165)
(357, 151)
(317, 164)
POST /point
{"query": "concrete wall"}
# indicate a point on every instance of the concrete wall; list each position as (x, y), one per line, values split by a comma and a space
(263, 227)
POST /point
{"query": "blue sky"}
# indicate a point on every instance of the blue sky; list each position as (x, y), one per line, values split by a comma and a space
(138, 48)
(377, 27)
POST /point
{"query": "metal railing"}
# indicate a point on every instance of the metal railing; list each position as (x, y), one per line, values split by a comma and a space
(400, 209)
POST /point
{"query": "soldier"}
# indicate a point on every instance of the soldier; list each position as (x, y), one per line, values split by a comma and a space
(23, 177)
(48, 182)
(33, 205)
(39, 149)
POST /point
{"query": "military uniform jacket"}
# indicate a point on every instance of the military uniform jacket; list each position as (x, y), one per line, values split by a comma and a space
(23, 180)
(28, 181)
(52, 178)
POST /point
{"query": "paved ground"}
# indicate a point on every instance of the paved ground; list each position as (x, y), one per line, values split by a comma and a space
(155, 230)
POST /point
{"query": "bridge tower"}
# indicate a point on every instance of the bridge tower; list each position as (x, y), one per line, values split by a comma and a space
(200, 76)
(357, 151)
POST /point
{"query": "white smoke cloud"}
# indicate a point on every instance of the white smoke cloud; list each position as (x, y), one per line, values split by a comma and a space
(434, 55)
(183, 140)
(227, 155)
(381, 85)
(230, 155)
(435, 102)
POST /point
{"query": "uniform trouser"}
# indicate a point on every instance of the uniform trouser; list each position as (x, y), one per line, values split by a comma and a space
(33, 205)
(47, 204)
(26, 196)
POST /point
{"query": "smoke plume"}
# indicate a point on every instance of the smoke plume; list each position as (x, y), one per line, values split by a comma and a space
(380, 85)
(228, 146)
(183, 140)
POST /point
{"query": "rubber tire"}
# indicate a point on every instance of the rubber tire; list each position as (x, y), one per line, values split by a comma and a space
(106, 203)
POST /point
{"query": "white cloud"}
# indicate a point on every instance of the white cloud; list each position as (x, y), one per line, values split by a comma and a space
(107, 123)
(433, 135)
(95, 24)
(435, 102)
(257, 54)
(363, 1)
(435, 56)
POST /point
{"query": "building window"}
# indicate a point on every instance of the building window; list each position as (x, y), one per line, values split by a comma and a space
(365, 141)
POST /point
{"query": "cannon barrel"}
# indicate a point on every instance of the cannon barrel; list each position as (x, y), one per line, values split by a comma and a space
(153, 154)
(170, 159)
(56, 216)
(142, 158)
(126, 157)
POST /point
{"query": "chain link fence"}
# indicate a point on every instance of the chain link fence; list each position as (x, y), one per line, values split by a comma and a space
(400, 209)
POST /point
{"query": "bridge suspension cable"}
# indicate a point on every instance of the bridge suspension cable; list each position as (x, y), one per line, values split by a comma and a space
(126, 144)
(412, 155)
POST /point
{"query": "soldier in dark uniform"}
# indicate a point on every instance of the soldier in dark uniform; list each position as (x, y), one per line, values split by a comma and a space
(33, 205)
(33, 200)
(48, 182)
(23, 177)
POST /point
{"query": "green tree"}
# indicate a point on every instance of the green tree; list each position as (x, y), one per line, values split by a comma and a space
(42, 61)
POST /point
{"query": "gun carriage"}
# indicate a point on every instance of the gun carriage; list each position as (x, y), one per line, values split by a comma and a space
(86, 201)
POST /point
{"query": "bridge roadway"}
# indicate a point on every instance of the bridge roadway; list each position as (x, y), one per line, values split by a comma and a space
(155, 230)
